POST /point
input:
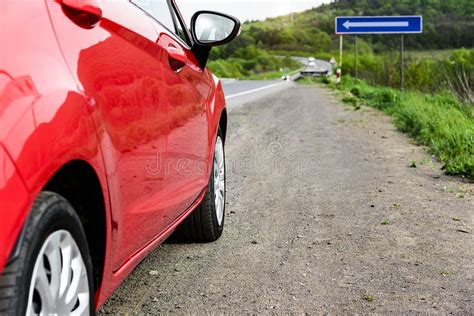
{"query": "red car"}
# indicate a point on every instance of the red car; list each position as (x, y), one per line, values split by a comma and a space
(112, 138)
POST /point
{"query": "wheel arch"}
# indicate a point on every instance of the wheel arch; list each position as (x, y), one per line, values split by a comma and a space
(79, 184)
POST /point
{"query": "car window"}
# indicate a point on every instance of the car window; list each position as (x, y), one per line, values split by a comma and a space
(163, 12)
(180, 29)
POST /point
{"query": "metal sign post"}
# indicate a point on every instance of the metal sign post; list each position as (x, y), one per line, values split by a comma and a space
(355, 25)
(402, 63)
(340, 50)
(355, 56)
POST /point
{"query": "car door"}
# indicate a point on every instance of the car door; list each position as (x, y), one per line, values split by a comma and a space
(188, 88)
(117, 65)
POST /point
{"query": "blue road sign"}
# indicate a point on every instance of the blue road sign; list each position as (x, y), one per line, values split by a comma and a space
(379, 24)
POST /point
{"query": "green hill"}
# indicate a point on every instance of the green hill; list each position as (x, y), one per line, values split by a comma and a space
(448, 24)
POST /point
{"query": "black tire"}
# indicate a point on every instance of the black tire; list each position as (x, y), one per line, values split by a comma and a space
(202, 225)
(50, 213)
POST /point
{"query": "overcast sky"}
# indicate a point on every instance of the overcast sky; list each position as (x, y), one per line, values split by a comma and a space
(247, 9)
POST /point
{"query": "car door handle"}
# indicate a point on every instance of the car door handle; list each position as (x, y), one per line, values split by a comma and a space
(177, 58)
(85, 13)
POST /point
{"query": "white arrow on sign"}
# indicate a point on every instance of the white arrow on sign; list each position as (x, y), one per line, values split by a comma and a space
(348, 24)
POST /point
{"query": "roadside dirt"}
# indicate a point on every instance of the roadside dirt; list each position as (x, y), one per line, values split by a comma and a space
(324, 214)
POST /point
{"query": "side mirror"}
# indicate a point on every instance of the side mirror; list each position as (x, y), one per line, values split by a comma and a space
(210, 28)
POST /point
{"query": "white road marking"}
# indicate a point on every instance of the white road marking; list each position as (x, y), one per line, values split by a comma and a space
(254, 90)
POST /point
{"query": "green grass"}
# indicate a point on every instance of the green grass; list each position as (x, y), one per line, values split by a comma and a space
(429, 54)
(308, 81)
(440, 122)
(271, 75)
(445, 273)
(368, 298)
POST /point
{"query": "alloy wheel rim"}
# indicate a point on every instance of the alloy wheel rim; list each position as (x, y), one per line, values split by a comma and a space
(59, 283)
(219, 180)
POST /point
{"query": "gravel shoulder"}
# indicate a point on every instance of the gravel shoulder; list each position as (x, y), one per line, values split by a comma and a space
(324, 214)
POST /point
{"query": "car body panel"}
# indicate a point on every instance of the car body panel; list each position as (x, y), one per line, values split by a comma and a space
(113, 280)
(25, 83)
(187, 158)
(15, 199)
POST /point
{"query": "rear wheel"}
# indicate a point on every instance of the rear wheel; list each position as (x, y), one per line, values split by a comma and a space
(52, 273)
(206, 223)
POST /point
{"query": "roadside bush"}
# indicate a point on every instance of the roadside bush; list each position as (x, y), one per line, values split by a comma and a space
(459, 74)
(385, 98)
(356, 91)
(350, 100)
(326, 80)
(252, 62)
(423, 75)
(231, 68)
(440, 122)
(454, 73)
(442, 127)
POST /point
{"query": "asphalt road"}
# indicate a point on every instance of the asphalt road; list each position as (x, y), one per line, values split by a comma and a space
(323, 215)
(242, 92)
(320, 65)
(232, 86)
